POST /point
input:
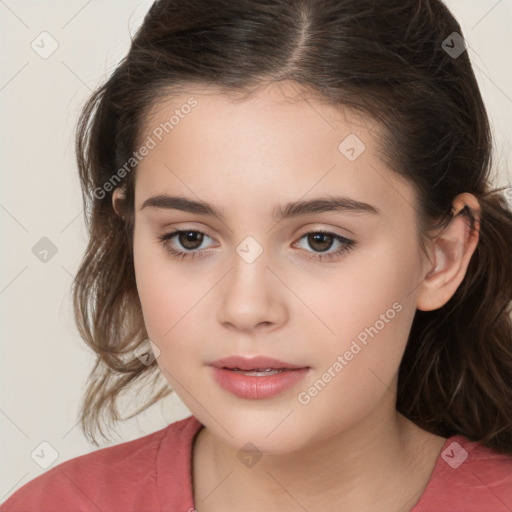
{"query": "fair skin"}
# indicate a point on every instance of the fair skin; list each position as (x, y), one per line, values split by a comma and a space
(347, 448)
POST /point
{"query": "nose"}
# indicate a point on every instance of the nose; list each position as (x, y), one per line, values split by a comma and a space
(251, 296)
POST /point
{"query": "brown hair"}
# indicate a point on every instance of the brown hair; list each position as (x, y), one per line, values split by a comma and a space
(384, 58)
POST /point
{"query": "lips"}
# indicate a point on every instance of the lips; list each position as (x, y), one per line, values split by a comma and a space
(278, 376)
(260, 363)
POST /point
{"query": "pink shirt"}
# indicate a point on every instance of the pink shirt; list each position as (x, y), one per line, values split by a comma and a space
(153, 474)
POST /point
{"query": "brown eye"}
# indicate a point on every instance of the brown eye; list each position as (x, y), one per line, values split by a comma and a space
(190, 239)
(184, 243)
(320, 241)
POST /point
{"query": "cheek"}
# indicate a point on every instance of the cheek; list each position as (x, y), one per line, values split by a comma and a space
(167, 307)
(370, 311)
(166, 293)
(369, 307)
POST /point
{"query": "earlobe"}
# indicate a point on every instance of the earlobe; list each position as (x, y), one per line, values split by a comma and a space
(453, 249)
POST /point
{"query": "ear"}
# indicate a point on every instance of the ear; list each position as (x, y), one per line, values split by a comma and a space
(452, 251)
(118, 198)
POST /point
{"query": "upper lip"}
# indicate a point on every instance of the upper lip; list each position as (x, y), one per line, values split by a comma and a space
(252, 363)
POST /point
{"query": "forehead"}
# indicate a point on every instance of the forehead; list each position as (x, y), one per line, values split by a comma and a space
(273, 102)
(277, 143)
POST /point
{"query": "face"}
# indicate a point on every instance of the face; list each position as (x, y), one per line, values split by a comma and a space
(327, 289)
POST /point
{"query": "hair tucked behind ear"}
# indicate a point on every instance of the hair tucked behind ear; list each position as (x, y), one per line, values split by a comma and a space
(395, 61)
(456, 373)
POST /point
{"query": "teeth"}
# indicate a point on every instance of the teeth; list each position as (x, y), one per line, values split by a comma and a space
(259, 372)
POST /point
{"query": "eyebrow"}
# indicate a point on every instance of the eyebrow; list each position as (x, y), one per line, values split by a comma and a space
(289, 210)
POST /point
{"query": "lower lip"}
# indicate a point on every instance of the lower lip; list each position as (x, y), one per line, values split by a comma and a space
(250, 386)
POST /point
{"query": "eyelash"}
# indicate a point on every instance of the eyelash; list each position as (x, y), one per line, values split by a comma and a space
(347, 246)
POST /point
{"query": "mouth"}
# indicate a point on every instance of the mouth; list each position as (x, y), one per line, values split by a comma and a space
(257, 377)
(259, 372)
(258, 364)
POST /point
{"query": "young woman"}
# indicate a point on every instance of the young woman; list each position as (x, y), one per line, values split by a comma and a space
(289, 202)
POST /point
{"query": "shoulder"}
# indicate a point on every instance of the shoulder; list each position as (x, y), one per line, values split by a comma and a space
(468, 477)
(114, 478)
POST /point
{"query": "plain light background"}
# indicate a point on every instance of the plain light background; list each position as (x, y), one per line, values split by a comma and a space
(44, 362)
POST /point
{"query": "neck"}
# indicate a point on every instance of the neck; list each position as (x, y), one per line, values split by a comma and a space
(384, 462)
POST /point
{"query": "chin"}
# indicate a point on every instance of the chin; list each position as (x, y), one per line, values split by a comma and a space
(261, 433)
